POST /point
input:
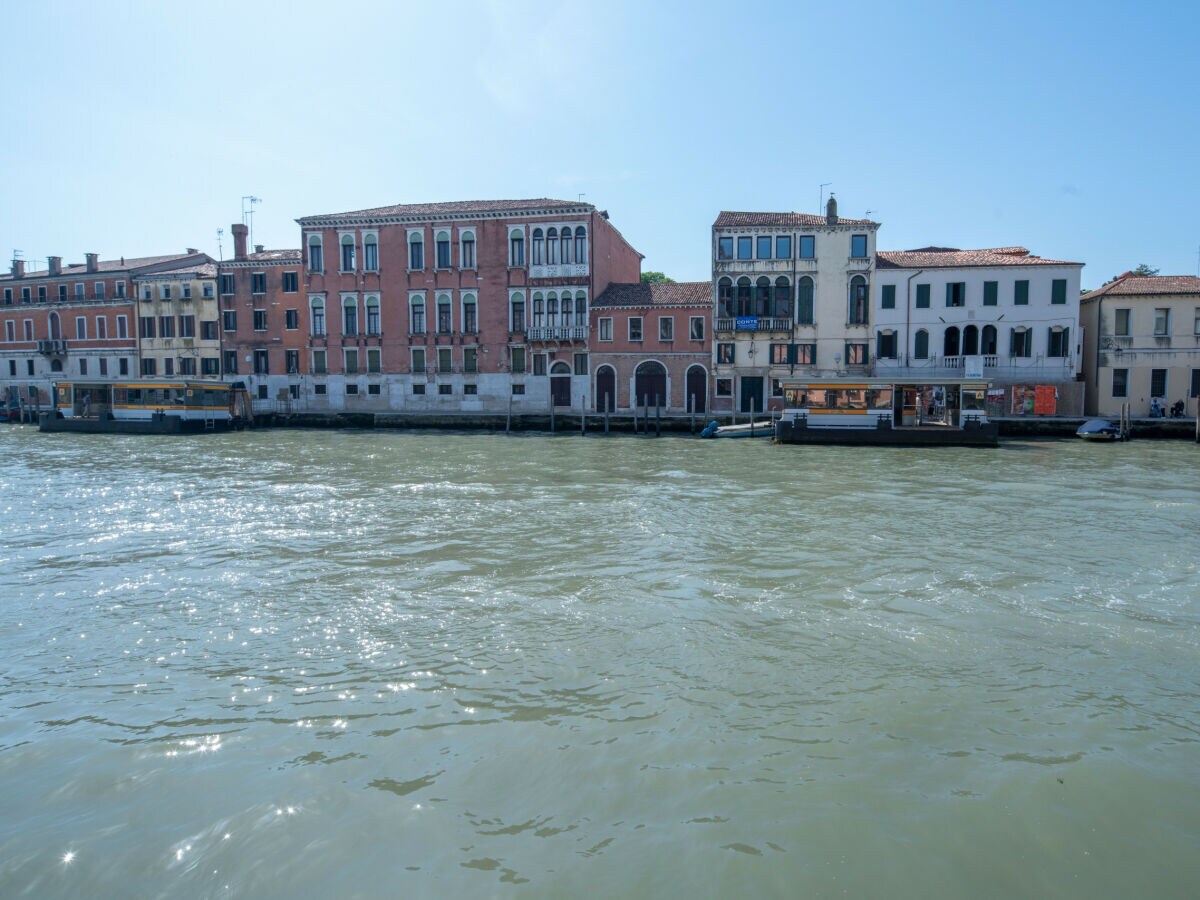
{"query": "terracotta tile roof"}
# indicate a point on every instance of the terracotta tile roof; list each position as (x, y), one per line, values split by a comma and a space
(264, 258)
(727, 219)
(458, 207)
(953, 258)
(677, 293)
(105, 265)
(1130, 285)
(201, 270)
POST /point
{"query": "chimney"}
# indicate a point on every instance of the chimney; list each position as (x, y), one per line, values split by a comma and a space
(192, 251)
(258, 248)
(55, 265)
(93, 264)
(239, 240)
(18, 268)
(831, 216)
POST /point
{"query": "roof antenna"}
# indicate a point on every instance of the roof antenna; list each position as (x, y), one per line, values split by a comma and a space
(220, 252)
(821, 202)
(248, 214)
(581, 196)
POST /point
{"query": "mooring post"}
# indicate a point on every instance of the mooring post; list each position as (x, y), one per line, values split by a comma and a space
(692, 411)
(508, 418)
(607, 409)
(583, 415)
(657, 415)
(751, 417)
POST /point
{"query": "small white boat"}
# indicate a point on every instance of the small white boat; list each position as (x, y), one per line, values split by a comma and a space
(1099, 430)
(745, 430)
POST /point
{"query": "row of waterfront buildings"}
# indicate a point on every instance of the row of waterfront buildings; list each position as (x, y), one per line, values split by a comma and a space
(524, 305)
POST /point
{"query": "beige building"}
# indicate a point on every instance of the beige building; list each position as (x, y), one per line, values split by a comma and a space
(178, 322)
(1142, 344)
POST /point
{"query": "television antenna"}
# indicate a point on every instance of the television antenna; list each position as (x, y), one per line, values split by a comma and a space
(248, 214)
(220, 252)
(821, 202)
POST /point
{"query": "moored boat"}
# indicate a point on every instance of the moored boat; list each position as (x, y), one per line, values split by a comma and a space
(145, 407)
(1099, 430)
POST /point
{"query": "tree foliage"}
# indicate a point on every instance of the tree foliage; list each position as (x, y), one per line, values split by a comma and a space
(656, 278)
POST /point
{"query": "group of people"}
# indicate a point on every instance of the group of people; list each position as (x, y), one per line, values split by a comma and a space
(1158, 411)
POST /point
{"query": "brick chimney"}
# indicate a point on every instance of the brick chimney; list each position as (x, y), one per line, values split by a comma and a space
(258, 248)
(93, 262)
(240, 232)
(55, 265)
(18, 268)
(831, 215)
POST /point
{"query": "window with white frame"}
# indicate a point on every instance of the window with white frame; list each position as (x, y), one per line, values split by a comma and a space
(350, 315)
(444, 315)
(1162, 321)
(581, 255)
(81, 328)
(442, 248)
(370, 252)
(317, 316)
(516, 247)
(470, 323)
(416, 250)
(316, 256)
(346, 242)
(373, 325)
(537, 247)
(635, 328)
(516, 312)
(416, 305)
(605, 327)
(466, 251)
(666, 328)
(696, 328)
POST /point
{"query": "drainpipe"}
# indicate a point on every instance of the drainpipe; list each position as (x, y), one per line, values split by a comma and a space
(1096, 363)
(908, 315)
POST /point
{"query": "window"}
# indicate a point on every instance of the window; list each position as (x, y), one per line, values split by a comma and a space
(317, 312)
(187, 365)
(858, 246)
(518, 389)
(565, 245)
(552, 246)
(956, 293)
(808, 246)
(764, 248)
(8, 295)
(804, 301)
(696, 328)
(1021, 293)
(210, 365)
(350, 316)
(605, 326)
(79, 290)
(318, 362)
(229, 319)
(725, 355)
(470, 324)
(762, 296)
(208, 331)
(104, 365)
(1162, 322)
(666, 328)
(470, 359)
(581, 363)
(581, 256)
(122, 327)
(1122, 322)
(445, 359)
(62, 292)
(258, 282)
(517, 309)
(373, 316)
(164, 291)
(1058, 344)
(1196, 322)
(187, 326)
(991, 293)
(418, 389)
(1158, 383)
(725, 248)
(27, 326)
(119, 290)
(346, 243)
(725, 298)
(1058, 291)
(470, 389)
(100, 289)
(41, 293)
(26, 297)
(146, 327)
(149, 366)
(291, 282)
(231, 363)
(1195, 389)
(516, 248)
(350, 362)
(1020, 342)
(635, 328)
(123, 366)
(443, 314)
(83, 366)
(1120, 382)
(185, 290)
(260, 320)
(166, 326)
(147, 292)
(418, 360)
(858, 301)
(888, 300)
(539, 364)
(445, 389)
(922, 296)
(724, 387)
(416, 251)
(466, 252)
(745, 246)
(10, 330)
(417, 314)
(370, 253)
(443, 250)
(518, 360)
(291, 319)
(227, 284)
(261, 363)
(783, 247)
(169, 366)
(921, 345)
(856, 354)
(885, 345)
(81, 328)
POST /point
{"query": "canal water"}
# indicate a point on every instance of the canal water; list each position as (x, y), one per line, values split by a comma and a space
(362, 664)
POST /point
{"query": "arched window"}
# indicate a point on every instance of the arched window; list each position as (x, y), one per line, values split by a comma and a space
(444, 322)
(349, 316)
(566, 246)
(560, 368)
(466, 251)
(539, 310)
(539, 245)
(970, 341)
(316, 260)
(921, 345)
(581, 244)
(725, 298)
(418, 315)
(743, 296)
(55, 327)
(804, 301)
(568, 309)
(347, 243)
(516, 310)
(950, 345)
(370, 253)
(783, 298)
(516, 247)
(580, 309)
(858, 301)
(552, 246)
(762, 296)
(373, 316)
(442, 239)
(469, 314)
(416, 251)
(988, 345)
(552, 310)
(56, 365)
(318, 317)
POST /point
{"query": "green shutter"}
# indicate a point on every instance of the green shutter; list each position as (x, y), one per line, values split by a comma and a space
(1021, 293)
(922, 296)
(990, 293)
(1058, 292)
(889, 296)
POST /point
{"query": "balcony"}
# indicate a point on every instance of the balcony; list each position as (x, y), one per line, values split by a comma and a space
(558, 333)
(762, 266)
(52, 347)
(569, 270)
(754, 323)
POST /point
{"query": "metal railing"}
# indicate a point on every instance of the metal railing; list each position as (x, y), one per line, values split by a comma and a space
(558, 333)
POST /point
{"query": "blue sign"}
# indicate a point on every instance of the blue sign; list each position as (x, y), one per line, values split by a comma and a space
(746, 323)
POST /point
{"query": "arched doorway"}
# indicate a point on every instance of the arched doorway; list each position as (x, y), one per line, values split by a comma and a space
(650, 385)
(950, 343)
(606, 389)
(988, 347)
(560, 384)
(970, 341)
(697, 389)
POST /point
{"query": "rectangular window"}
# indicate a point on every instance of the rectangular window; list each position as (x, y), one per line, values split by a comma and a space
(149, 366)
(41, 293)
(146, 327)
(122, 327)
(81, 328)
(991, 293)
(418, 389)
(1162, 322)
(350, 362)
(445, 390)
(518, 315)
(1058, 291)
(808, 246)
(856, 354)
(889, 296)
(166, 326)
(104, 365)
(1120, 383)
(518, 360)
(258, 282)
(1020, 343)
(187, 326)
(206, 289)
(1122, 323)
(470, 390)
(291, 319)
(186, 290)
(783, 247)
(764, 248)
(725, 354)
(79, 290)
(1195, 391)
(8, 295)
(666, 328)
(10, 330)
(539, 364)
(470, 359)
(27, 326)
(291, 360)
(164, 291)
(1196, 322)
(745, 248)
(316, 255)
(581, 363)
(291, 282)
(260, 320)
(1021, 292)
(1158, 383)
(635, 328)
(956, 293)
(445, 359)
(320, 363)
(780, 355)
(518, 390)
(922, 296)
(806, 354)
(100, 290)
(83, 366)
(373, 318)
(858, 246)
(696, 328)
(229, 319)
(724, 387)
(418, 316)
(885, 345)
(147, 292)
(605, 326)
(169, 366)
(208, 330)
(120, 289)
(227, 284)
(418, 360)
(725, 248)
(370, 255)
(320, 390)
(26, 297)
(123, 365)
(443, 254)
(187, 365)
(350, 317)
(467, 254)
(210, 365)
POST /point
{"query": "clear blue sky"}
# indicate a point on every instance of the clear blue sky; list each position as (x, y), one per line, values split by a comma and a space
(132, 129)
